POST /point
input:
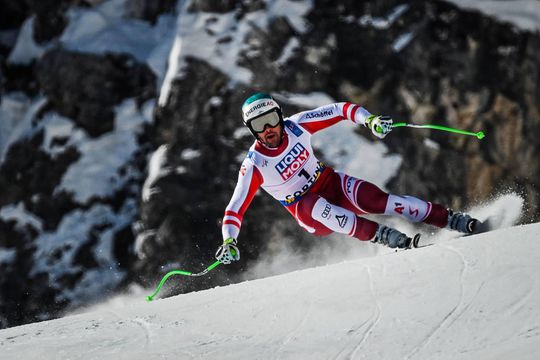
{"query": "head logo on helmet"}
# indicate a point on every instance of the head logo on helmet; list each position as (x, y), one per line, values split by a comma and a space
(257, 105)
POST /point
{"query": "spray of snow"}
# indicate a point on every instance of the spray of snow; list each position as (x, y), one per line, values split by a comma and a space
(283, 258)
(504, 210)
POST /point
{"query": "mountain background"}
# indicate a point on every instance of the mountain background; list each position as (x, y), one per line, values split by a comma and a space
(121, 136)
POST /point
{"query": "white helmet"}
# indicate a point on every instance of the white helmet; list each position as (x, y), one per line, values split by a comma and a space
(260, 110)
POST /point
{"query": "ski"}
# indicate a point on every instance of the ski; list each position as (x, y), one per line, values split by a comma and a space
(479, 228)
(483, 226)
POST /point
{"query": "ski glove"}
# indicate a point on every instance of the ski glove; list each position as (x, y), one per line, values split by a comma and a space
(380, 125)
(228, 252)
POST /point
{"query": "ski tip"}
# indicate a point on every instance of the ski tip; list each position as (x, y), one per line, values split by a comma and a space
(480, 135)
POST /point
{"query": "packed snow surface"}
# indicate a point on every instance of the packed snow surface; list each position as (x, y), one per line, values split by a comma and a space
(467, 298)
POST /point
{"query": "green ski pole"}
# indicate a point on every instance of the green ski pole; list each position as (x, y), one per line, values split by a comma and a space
(479, 135)
(180, 272)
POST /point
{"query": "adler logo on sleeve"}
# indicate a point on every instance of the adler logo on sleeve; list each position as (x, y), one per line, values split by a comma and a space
(292, 162)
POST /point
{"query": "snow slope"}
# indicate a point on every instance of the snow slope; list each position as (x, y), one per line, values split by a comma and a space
(467, 298)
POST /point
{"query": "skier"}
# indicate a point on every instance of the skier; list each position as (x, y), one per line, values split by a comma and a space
(322, 200)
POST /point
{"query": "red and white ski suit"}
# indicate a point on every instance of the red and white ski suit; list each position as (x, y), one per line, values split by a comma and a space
(321, 200)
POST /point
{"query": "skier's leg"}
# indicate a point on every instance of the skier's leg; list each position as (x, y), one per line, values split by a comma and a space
(370, 199)
(416, 210)
(320, 217)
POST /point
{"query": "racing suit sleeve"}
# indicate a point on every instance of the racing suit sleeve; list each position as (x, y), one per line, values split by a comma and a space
(249, 181)
(328, 115)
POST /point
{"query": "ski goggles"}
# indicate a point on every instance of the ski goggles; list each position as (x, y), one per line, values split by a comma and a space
(271, 119)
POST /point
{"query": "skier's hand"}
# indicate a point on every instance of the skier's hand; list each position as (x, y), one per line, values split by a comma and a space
(228, 251)
(380, 125)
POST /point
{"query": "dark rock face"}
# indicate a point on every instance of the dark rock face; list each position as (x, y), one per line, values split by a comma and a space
(19, 78)
(215, 6)
(86, 87)
(264, 48)
(50, 18)
(149, 9)
(13, 14)
(30, 176)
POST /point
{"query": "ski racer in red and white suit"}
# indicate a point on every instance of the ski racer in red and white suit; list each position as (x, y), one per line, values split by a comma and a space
(321, 199)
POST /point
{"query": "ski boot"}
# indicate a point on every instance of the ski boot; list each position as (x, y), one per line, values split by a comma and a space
(394, 239)
(461, 222)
